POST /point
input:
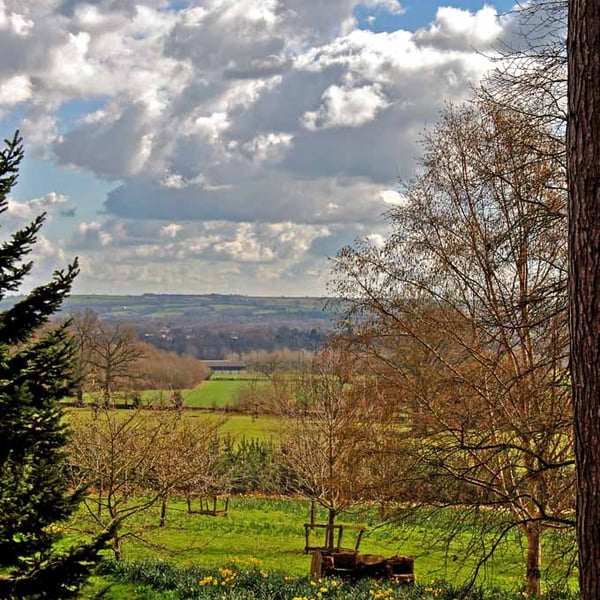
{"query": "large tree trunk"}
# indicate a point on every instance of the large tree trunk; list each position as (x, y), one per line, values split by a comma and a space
(583, 157)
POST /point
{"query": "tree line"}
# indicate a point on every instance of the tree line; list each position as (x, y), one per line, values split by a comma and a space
(213, 342)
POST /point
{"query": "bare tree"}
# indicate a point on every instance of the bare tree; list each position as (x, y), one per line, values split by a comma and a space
(464, 311)
(531, 71)
(108, 354)
(329, 436)
(115, 455)
(135, 461)
(189, 461)
(82, 326)
(162, 370)
(270, 364)
(583, 152)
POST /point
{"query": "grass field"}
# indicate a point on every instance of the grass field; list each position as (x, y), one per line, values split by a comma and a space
(238, 426)
(217, 392)
(271, 530)
(263, 427)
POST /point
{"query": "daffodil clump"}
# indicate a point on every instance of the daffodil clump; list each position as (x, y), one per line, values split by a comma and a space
(246, 579)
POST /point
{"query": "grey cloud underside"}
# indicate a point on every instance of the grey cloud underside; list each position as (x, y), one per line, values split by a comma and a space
(267, 200)
(110, 149)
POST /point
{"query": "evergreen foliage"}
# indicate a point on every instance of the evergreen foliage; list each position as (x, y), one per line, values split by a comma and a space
(35, 373)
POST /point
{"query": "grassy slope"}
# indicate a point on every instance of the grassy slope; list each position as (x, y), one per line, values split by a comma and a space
(272, 531)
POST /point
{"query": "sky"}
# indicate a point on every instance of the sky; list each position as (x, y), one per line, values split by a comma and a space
(225, 146)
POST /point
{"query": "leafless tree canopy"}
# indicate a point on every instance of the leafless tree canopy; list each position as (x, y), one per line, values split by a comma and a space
(462, 312)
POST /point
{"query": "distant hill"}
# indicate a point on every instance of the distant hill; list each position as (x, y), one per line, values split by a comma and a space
(214, 326)
(209, 308)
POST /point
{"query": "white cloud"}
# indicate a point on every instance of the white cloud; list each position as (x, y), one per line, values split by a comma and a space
(13, 21)
(15, 90)
(392, 6)
(91, 235)
(171, 230)
(253, 137)
(457, 28)
(26, 210)
(393, 198)
(346, 107)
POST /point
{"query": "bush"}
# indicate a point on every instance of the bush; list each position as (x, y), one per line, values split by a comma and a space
(254, 466)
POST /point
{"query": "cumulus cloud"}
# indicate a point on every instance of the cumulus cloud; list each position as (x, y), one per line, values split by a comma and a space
(346, 107)
(23, 211)
(454, 28)
(252, 136)
(15, 90)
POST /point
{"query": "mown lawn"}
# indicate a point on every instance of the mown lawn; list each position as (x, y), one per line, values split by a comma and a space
(271, 531)
(216, 393)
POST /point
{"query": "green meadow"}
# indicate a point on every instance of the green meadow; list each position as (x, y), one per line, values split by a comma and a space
(262, 427)
(215, 393)
(270, 533)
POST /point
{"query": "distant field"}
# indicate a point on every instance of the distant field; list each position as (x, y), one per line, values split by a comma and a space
(237, 426)
(216, 393)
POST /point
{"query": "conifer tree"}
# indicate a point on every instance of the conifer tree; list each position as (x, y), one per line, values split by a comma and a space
(35, 373)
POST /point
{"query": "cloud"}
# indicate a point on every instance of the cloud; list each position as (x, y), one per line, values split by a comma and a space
(241, 136)
(23, 211)
(88, 145)
(200, 257)
(274, 199)
(15, 90)
(346, 107)
(171, 230)
(458, 29)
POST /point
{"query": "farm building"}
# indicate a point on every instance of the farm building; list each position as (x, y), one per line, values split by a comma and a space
(226, 366)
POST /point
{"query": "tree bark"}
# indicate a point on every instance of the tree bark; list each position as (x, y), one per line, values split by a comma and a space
(330, 529)
(534, 560)
(583, 161)
(117, 548)
(163, 512)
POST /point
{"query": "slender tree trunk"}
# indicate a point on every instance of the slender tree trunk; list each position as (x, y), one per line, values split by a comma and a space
(116, 548)
(100, 496)
(163, 512)
(534, 560)
(330, 530)
(106, 396)
(583, 159)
